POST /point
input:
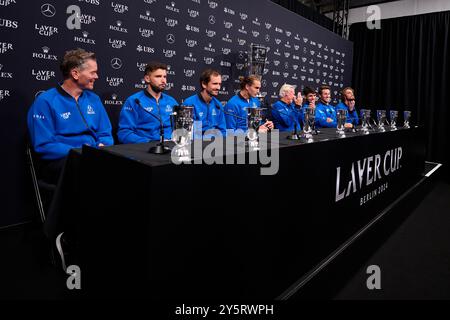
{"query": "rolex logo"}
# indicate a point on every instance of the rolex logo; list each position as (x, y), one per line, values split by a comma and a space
(45, 49)
(85, 34)
(119, 23)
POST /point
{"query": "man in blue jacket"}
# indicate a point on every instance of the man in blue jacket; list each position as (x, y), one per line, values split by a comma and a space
(139, 120)
(348, 103)
(286, 112)
(207, 108)
(68, 116)
(325, 112)
(237, 107)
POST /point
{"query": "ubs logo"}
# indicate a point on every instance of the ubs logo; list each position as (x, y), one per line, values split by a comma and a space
(225, 64)
(141, 48)
(192, 28)
(6, 3)
(9, 23)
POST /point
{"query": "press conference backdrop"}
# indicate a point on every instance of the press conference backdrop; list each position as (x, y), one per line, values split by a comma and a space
(188, 35)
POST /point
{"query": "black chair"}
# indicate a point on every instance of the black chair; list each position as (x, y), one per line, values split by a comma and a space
(43, 192)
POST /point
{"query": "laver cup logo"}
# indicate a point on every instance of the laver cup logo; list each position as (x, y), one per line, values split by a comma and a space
(363, 173)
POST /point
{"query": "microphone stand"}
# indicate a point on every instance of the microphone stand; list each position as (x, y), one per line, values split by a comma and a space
(160, 148)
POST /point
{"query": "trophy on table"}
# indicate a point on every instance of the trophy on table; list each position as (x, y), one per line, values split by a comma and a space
(182, 121)
(341, 116)
(393, 115)
(309, 116)
(381, 120)
(406, 117)
(365, 121)
(254, 120)
(257, 59)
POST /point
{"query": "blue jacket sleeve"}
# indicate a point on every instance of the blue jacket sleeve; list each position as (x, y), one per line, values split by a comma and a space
(42, 132)
(321, 118)
(281, 117)
(127, 125)
(229, 119)
(104, 130)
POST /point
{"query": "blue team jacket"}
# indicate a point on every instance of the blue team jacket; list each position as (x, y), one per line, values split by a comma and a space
(136, 125)
(285, 116)
(238, 105)
(324, 111)
(58, 123)
(352, 117)
(210, 114)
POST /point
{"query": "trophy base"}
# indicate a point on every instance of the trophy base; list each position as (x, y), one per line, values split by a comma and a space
(159, 149)
(293, 136)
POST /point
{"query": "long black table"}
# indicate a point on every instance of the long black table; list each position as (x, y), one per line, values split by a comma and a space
(154, 229)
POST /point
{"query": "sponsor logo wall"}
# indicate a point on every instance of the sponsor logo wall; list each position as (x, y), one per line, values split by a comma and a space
(188, 35)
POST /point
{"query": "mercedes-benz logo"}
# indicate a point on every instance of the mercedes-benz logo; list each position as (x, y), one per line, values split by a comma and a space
(116, 63)
(212, 19)
(170, 38)
(48, 10)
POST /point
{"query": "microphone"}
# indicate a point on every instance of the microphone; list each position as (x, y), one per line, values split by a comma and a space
(160, 148)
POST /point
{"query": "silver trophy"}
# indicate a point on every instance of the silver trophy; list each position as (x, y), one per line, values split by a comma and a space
(406, 117)
(365, 121)
(182, 121)
(254, 120)
(381, 120)
(309, 116)
(393, 115)
(341, 116)
(257, 59)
